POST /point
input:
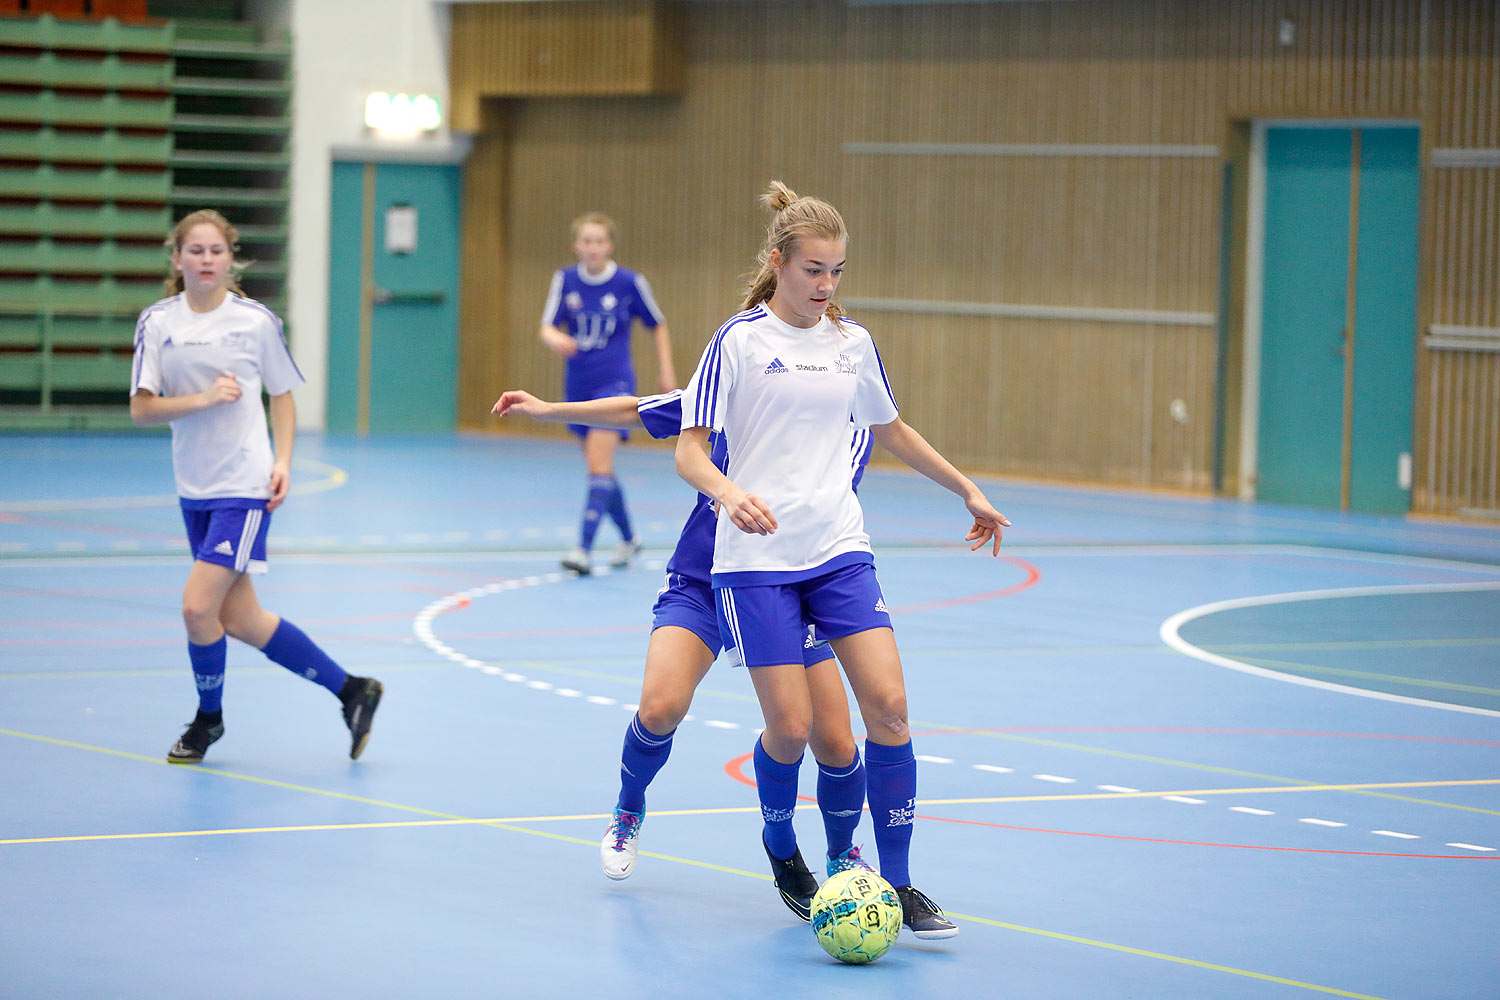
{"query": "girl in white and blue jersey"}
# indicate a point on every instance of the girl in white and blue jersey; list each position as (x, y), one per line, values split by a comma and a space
(685, 641)
(587, 320)
(788, 380)
(202, 357)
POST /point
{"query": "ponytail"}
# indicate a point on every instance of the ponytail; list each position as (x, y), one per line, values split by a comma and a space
(793, 219)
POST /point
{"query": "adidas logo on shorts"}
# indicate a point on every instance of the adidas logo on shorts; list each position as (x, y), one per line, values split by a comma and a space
(224, 548)
(880, 605)
(776, 367)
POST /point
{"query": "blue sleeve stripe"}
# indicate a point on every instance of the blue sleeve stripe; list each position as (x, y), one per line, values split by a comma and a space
(140, 340)
(263, 309)
(886, 381)
(705, 413)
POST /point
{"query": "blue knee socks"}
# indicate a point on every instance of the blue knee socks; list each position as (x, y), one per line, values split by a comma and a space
(601, 492)
(776, 784)
(893, 799)
(643, 755)
(208, 674)
(618, 513)
(290, 647)
(841, 799)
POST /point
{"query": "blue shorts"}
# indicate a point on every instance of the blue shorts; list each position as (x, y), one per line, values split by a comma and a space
(577, 392)
(768, 625)
(689, 604)
(231, 533)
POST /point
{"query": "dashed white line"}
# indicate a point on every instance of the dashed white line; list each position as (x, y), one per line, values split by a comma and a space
(1116, 788)
(1183, 799)
(928, 759)
(567, 692)
(1055, 778)
(599, 699)
(721, 724)
(1321, 822)
(1393, 833)
(1252, 811)
(994, 768)
(540, 685)
(1468, 847)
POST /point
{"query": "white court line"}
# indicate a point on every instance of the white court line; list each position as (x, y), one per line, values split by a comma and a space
(928, 759)
(1170, 634)
(994, 768)
(1116, 788)
(1252, 811)
(1393, 833)
(1469, 847)
(1056, 779)
(1185, 800)
(1321, 822)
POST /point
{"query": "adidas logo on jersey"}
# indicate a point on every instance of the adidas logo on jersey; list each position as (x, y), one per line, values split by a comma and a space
(776, 367)
(224, 548)
(880, 605)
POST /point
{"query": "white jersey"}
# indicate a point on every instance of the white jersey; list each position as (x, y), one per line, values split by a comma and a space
(225, 450)
(789, 400)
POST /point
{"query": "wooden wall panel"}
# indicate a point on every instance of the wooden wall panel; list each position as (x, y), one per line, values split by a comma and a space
(560, 49)
(780, 90)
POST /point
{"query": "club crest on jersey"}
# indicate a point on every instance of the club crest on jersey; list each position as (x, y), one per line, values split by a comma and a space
(776, 367)
(609, 301)
(574, 301)
(844, 366)
(233, 340)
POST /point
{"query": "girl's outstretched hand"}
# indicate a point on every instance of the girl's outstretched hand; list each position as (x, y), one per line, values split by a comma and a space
(520, 401)
(987, 524)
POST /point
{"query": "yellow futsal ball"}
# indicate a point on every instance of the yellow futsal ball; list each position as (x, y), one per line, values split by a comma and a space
(856, 916)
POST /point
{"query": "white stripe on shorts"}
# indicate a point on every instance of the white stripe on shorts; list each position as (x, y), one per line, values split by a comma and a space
(247, 540)
(732, 619)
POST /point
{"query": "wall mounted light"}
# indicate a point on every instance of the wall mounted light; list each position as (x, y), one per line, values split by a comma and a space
(402, 114)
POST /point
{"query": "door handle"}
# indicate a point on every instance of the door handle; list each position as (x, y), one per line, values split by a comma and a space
(384, 296)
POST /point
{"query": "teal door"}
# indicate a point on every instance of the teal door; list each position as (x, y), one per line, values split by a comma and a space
(393, 297)
(1336, 369)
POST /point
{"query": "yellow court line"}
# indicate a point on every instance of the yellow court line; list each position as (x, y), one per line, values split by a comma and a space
(1177, 959)
(508, 825)
(509, 822)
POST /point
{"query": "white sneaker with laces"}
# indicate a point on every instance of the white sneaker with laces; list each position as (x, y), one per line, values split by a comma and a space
(625, 554)
(578, 561)
(617, 849)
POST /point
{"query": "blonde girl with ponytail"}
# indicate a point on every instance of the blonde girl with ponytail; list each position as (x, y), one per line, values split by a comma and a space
(789, 381)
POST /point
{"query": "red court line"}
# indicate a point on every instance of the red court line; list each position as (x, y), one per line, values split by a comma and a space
(1032, 576)
(734, 769)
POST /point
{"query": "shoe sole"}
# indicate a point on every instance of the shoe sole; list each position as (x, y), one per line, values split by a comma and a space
(367, 720)
(802, 910)
(935, 935)
(184, 760)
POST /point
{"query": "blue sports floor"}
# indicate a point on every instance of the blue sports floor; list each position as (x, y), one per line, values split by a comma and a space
(1169, 747)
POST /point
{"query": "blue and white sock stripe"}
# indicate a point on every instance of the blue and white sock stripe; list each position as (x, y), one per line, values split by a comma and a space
(732, 619)
(645, 736)
(247, 539)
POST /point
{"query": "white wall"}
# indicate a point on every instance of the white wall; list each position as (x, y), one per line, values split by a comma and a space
(344, 50)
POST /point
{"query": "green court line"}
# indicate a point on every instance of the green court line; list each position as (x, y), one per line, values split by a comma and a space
(1311, 668)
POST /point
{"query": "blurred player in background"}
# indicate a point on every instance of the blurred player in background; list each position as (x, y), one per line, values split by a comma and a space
(587, 320)
(202, 356)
